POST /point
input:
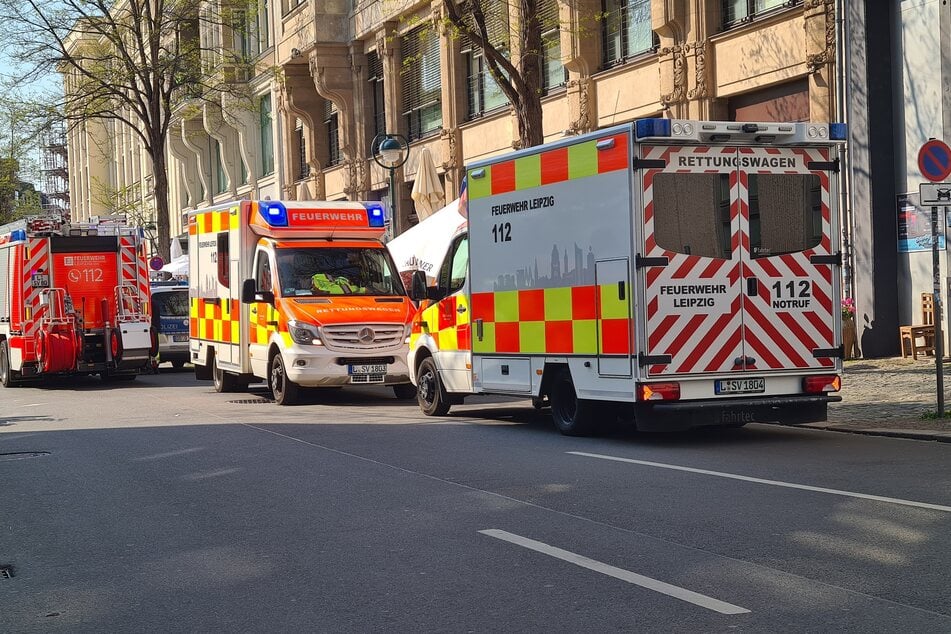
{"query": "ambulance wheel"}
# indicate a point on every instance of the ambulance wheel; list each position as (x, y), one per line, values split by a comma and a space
(224, 381)
(431, 394)
(178, 365)
(405, 391)
(8, 377)
(285, 391)
(573, 416)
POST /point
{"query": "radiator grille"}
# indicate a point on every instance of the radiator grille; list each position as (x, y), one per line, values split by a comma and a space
(363, 337)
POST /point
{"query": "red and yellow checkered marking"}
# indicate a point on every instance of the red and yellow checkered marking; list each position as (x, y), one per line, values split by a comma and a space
(264, 321)
(215, 320)
(215, 221)
(554, 166)
(570, 320)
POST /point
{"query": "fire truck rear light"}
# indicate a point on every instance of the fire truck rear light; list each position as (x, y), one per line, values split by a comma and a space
(822, 383)
(658, 392)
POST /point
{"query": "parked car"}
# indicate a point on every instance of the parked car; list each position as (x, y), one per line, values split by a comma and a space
(170, 320)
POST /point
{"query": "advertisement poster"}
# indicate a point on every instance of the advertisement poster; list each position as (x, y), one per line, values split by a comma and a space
(914, 225)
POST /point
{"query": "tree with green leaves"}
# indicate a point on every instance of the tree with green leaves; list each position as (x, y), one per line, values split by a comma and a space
(135, 62)
(22, 121)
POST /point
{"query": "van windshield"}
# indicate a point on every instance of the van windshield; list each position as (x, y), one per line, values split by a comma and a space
(320, 271)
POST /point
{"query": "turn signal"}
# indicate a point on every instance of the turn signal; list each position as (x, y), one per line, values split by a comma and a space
(821, 383)
(658, 392)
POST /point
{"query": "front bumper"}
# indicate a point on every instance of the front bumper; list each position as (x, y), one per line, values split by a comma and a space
(308, 369)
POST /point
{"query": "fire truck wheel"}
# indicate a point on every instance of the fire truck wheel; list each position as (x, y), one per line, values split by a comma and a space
(405, 391)
(225, 381)
(8, 377)
(431, 394)
(573, 416)
(285, 391)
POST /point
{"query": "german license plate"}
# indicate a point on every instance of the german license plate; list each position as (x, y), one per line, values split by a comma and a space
(740, 386)
(368, 368)
(179, 338)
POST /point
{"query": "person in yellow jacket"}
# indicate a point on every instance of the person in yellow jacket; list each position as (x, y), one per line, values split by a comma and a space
(334, 285)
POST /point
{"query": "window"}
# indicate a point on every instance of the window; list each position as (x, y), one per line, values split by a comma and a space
(267, 137)
(221, 179)
(264, 25)
(452, 274)
(300, 140)
(627, 30)
(289, 5)
(553, 73)
(738, 11)
(785, 213)
(692, 214)
(482, 90)
(262, 272)
(222, 258)
(375, 72)
(422, 88)
(332, 121)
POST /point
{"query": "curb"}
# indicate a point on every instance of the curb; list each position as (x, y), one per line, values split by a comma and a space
(889, 433)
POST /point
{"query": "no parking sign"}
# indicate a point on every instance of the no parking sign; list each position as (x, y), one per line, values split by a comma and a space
(934, 160)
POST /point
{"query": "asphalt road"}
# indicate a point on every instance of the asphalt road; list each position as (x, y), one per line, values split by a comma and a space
(162, 506)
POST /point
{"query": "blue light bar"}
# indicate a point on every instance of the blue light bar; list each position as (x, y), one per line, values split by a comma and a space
(18, 236)
(274, 213)
(651, 127)
(375, 214)
(838, 131)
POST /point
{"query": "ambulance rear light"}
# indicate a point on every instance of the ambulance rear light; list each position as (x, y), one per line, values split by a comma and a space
(822, 383)
(651, 127)
(274, 213)
(658, 391)
(375, 214)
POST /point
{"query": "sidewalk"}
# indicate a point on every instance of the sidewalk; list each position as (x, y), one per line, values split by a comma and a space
(890, 397)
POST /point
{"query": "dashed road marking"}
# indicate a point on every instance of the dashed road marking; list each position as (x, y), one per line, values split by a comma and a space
(676, 592)
(778, 483)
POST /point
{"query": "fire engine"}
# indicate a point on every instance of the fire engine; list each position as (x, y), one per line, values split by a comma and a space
(685, 272)
(74, 299)
(298, 294)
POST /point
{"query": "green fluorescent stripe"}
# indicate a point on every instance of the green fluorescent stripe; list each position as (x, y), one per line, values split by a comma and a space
(487, 343)
(506, 306)
(480, 187)
(531, 336)
(558, 304)
(528, 172)
(582, 160)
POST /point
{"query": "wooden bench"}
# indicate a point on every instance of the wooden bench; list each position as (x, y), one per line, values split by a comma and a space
(923, 331)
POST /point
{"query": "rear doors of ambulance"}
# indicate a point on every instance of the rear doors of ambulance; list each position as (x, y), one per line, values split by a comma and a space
(739, 271)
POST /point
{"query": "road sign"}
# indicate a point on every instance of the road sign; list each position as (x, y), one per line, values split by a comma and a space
(934, 194)
(934, 160)
(156, 263)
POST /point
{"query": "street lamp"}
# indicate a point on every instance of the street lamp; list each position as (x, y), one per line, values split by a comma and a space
(390, 151)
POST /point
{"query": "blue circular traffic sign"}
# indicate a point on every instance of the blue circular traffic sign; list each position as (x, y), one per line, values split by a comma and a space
(934, 160)
(156, 263)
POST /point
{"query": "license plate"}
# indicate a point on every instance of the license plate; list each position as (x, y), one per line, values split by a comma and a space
(740, 386)
(369, 368)
(179, 338)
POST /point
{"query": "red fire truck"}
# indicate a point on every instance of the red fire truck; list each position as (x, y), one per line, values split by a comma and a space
(74, 299)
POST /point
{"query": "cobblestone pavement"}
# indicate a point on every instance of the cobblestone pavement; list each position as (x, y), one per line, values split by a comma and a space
(891, 396)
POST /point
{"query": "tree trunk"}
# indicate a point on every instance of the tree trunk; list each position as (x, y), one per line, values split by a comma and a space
(528, 113)
(160, 190)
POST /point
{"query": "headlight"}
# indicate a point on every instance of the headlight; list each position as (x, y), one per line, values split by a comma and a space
(304, 333)
(407, 332)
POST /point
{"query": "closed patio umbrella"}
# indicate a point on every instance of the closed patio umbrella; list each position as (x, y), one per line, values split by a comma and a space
(427, 189)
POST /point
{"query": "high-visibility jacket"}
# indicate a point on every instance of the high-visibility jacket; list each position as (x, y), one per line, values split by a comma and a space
(335, 285)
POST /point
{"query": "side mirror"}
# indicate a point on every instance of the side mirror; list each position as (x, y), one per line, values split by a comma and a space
(250, 294)
(418, 289)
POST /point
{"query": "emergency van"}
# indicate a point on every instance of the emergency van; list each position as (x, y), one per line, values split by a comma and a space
(298, 294)
(683, 271)
(74, 299)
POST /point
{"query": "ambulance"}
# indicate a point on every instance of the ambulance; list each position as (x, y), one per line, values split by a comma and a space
(297, 294)
(74, 299)
(683, 272)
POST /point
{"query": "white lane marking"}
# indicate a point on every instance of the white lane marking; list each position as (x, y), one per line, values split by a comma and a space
(33, 404)
(778, 483)
(618, 573)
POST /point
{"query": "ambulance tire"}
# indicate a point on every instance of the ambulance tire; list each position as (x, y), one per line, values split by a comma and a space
(225, 381)
(573, 416)
(404, 391)
(8, 377)
(285, 391)
(431, 394)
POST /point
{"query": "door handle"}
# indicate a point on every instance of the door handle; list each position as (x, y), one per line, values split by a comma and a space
(460, 309)
(620, 290)
(752, 286)
(254, 311)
